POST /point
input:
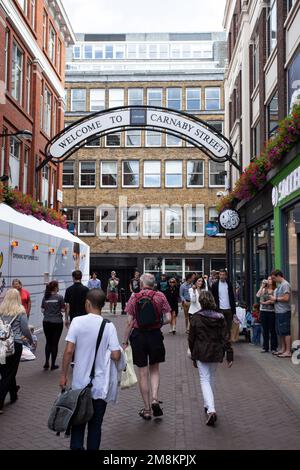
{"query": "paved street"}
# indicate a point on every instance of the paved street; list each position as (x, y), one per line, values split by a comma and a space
(258, 405)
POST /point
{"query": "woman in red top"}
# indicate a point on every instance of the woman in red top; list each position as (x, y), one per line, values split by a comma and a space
(25, 296)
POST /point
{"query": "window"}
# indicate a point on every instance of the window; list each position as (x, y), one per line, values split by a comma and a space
(51, 44)
(109, 174)
(59, 56)
(255, 62)
(131, 51)
(152, 174)
(195, 173)
(255, 140)
(175, 51)
(25, 170)
(195, 220)
(108, 223)
(218, 125)
(68, 174)
(153, 139)
(6, 59)
(86, 221)
(271, 26)
(109, 52)
(154, 96)
(151, 221)
(45, 21)
(272, 114)
(174, 98)
(163, 51)
(173, 221)
(130, 221)
(113, 140)
(32, 19)
(70, 216)
(173, 175)
(88, 51)
(87, 174)
(94, 142)
(54, 127)
(212, 99)
(130, 174)
(193, 99)
(173, 266)
(78, 99)
(28, 88)
(119, 52)
(213, 216)
(135, 96)
(217, 174)
(17, 73)
(23, 5)
(152, 51)
(173, 141)
(194, 265)
(97, 100)
(98, 52)
(76, 52)
(133, 138)
(289, 4)
(186, 51)
(45, 185)
(14, 162)
(142, 51)
(47, 111)
(2, 154)
(116, 97)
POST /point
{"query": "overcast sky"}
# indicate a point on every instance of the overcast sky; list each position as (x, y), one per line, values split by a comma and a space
(136, 16)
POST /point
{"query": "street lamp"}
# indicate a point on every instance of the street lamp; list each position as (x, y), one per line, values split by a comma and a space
(24, 133)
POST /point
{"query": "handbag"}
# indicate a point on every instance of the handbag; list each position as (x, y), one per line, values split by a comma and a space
(74, 407)
(128, 376)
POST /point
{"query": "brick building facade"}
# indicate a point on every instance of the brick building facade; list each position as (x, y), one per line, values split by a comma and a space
(33, 35)
(139, 169)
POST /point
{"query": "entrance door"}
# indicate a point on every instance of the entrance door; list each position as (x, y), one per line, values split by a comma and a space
(293, 269)
(123, 274)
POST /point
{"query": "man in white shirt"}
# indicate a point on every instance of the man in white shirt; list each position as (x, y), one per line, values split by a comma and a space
(222, 291)
(81, 340)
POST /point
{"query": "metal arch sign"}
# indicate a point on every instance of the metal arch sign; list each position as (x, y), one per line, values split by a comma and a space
(180, 124)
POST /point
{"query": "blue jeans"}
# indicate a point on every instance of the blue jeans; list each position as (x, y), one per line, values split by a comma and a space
(256, 334)
(94, 429)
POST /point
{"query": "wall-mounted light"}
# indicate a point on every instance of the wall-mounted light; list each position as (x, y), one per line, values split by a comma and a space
(51, 251)
(14, 243)
(35, 247)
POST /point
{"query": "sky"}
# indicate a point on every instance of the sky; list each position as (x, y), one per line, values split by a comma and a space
(140, 16)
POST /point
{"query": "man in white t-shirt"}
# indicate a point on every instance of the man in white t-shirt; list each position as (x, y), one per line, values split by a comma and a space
(81, 340)
(222, 291)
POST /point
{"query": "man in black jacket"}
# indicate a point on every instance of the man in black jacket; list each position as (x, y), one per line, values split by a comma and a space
(222, 291)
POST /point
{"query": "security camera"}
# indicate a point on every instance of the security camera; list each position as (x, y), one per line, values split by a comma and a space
(220, 194)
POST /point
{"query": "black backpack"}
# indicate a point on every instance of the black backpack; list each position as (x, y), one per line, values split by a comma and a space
(147, 315)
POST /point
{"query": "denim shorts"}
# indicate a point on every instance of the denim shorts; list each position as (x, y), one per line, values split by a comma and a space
(283, 324)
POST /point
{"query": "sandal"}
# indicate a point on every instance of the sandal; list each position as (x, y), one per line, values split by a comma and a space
(284, 355)
(157, 411)
(145, 414)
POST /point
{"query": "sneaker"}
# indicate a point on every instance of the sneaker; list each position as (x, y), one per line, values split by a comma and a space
(264, 351)
(174, 332)
(211, 419)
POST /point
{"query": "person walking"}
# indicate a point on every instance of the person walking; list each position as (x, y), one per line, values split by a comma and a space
(267, 314)
(25, 295)
(134, 285)
(282, 301)
(222, 291)
(172, 296)
(185, 298)
(53, 306)
(94, 282)
(208, 341)
(162, 284)
(146, 312)
(75, 298)
(81, 341)
(13, 312)
(194, 293)
(112, 291)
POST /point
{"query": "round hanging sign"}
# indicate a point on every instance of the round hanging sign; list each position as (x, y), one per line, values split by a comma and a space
(229, 219)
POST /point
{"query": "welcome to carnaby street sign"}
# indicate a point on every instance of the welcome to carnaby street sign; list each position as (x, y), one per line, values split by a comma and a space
(180, 124)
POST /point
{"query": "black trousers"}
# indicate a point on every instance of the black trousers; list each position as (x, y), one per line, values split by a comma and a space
(268, 323)
(8, 373)
(53, 333)
(228, 315)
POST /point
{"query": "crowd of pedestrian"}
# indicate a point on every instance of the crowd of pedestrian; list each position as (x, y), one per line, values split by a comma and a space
(209, 308)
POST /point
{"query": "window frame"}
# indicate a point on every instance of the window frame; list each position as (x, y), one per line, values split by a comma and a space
(168, 99)
(212, 99)
(168, 174)
(153, 133)
(189, 210)
(17, 71)
(152, 234)
(138, 133)
(108, 234)
(138, 174)
(173, 208)
(135, 89)
(72, 100)
(97, 100)
(210, 174)
(188, 174)
(187, 100)
(89, 234)
(156, 89)
(128, 209)
(111, 103)
(84, 186)
(101, 173)
(152, 174)
(73, 174)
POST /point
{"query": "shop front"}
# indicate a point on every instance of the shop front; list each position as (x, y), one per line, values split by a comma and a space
(286, 202)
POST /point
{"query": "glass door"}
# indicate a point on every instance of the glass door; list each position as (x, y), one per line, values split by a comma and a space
(293, 253)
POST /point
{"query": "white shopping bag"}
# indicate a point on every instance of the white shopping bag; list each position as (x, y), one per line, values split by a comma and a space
(128, 377)
(27, 355)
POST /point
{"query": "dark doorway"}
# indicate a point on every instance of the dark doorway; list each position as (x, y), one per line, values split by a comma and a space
(124, 274)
